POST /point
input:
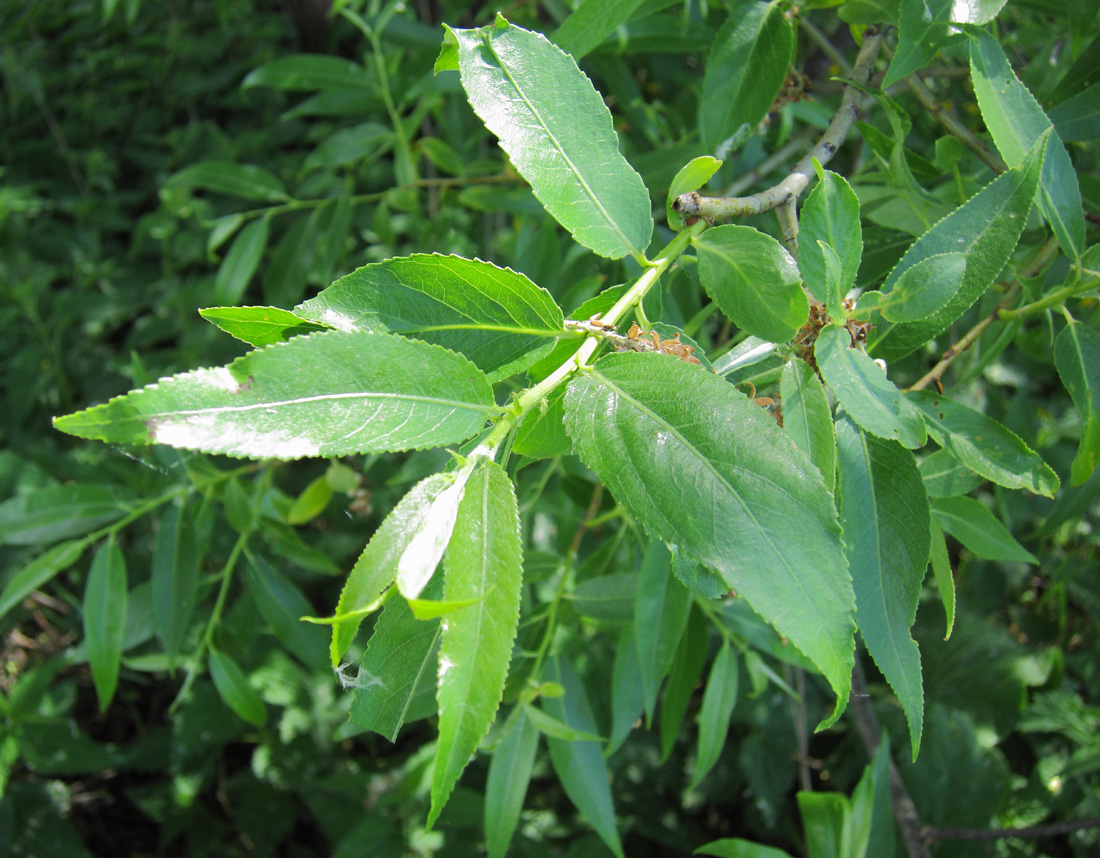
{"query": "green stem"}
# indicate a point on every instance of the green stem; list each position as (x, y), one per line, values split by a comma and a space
(1047, 301)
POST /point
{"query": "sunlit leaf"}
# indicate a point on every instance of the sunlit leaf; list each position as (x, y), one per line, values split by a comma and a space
(259, 326)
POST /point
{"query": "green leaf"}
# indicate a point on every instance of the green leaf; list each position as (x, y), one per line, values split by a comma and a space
(591, 23)
(970, 522)
(922, 31)
(945, 581)
(660, 617)
(719, 698)
(307, 72)
(609, 598)
(702, 467)
(234, 690)
(241, 262)
(397, 675)
(735, 847)
(104, 612)
(687, 668)
(281, 605)
(53, 513)
(983, 445)
(697, 578)
(922, 290)
(483, 563)
(807, 418)
(40, 570)
(557, 132)
(1077, 119)
(259, 326)
(627, 692)
(175, 578)
(985, 229)
(827, 821)
(509, 775)
(830, 215)
(292, 259)
(497, 318)
(886, 522)
(1077, 356)
(555, 728)
(326, 394)
(235, 180)
(542, 434)
(866, 393)
(310, 503)
(944, 476)
(692, 176)
(1017, 123)
(432, 609)
(753, 280)
(580, 765)
(376, 568)
(746, 68)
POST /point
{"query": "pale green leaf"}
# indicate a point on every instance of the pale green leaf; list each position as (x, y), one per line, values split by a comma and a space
(700, 466)
(259, 326)
(497, 318)
(307, 72)
(175, 578)
(985, 229)
(970, 522)
(830, 215)
(241, 262)
(944, 476)
(886, 522)
(807, 418)
(827, 823)
(719, 698)
(591, 23)
(557, 132)
(735, 847)
(660, 616)
(104, 611)
(1077, 356)
(51, 514)
(234, 690)
(1017, 123)
(555, 728)
(753, 280)
(692, 176)
(236, 180)
(945, 581)
(310, 503)
(866, 393)
(483, 564)
(984, 445)
(40, 570)
(747, 65)
(326, 394)
(509, 774)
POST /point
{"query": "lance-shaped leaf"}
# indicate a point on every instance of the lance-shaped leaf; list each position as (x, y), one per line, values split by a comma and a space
(861, 386)
(945, 581)
(627, 692)
(260, 326)
(327, 394)
(687, 667)
(241, 262)
(105, 619)
(719, 698)
(282, 607)
(498, 319)
(692, 176)
(483, 565)
(746, 68)
(53, 513)
(175, 578)
(970, 522)
(40, 570)
(944, 476)
(807, 418)
(830, 215)
(886, 534)
(591, 23)
(985, 229)
(921, 291)
(234, 690)
(557, 132)
(1016, 121)
(922, 31)
(753, 280)
(702, 467)
(984, 445)
(509, 774)
(1077, 356)
(660, 616)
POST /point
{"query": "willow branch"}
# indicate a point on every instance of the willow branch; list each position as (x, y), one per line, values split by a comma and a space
(793, 185)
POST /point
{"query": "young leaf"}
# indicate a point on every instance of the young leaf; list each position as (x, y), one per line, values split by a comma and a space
(746, 68)
(922, 31)
(53, 513)
(985, 229)
(692, 176)
(830, 215)
(923, 289)
(327, 394)
(945, 581)
(483, 563)
(259, 326)
(1016, 121)
(376, 568)
(753, 280)
(687, 667)
(233, 688)
(886, 522)
(40, 570)
(866, 393)
(497, 318)
(807, 418)
(1077, 356)
(396, 680)
(970, 522)
(983, 445)
(175, 578)
(735, 847)
(104, 613)
(700, 466)
(557, 132)
(310, 503)
(580, 765)
(509, 774)
(241, 262)
(591, 23)
(660, 616)
(714, 717)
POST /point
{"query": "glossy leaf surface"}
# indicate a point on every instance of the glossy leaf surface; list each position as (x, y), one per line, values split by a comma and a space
(556, 131)
(700, 466)
(497, 318)
(327, 394)
(260, 326)
(923, 289)
(241, 262)
(104, 611)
